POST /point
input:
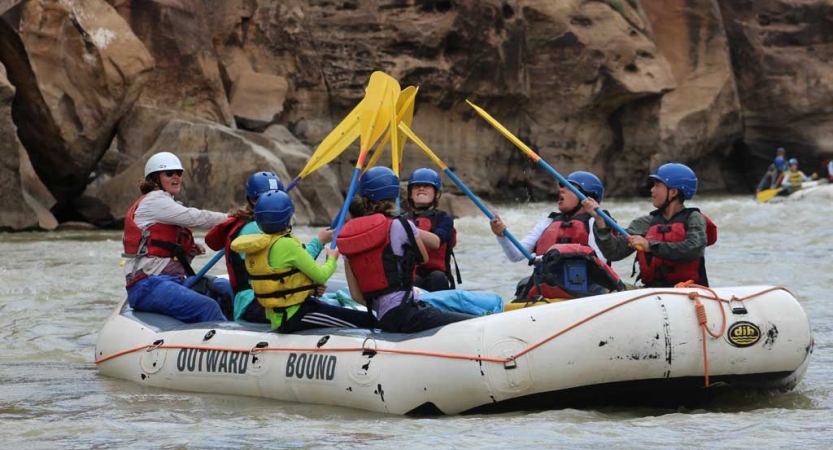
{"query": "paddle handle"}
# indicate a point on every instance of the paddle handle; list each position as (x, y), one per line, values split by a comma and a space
(191, 281)
(292, 184)
(433, 156)
(609, 220)
(486, 211)
(535, 157)
(351, 191)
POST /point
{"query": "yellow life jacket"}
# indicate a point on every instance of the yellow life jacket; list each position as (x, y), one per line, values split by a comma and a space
(274, 288)
(795, 178)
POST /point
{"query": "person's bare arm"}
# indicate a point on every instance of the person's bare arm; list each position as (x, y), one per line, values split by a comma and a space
(421, 247)
(353, 284)
(430, 239)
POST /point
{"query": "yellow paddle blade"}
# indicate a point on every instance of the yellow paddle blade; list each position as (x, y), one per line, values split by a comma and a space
(405, 103)
(336, 150)
(382, 92)
(335, 143)
(428, 152)
(767, 195)
(405, 113)
(394, 141)
(508, 134)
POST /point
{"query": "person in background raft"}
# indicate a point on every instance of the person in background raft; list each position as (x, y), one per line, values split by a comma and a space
(774, 172)
(285, 278)
(569, 232)
(382, 249)
(672, 239)
(436, 229)
(159, 246)
(241, 223)
(793, 178)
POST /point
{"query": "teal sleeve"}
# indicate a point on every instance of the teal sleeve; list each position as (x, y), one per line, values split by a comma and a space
(314, 248)
(287, 253)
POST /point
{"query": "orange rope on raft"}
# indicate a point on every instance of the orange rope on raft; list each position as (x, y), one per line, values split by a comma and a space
(695, 296)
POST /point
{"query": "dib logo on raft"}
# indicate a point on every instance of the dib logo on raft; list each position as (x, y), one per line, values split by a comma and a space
(743, 334)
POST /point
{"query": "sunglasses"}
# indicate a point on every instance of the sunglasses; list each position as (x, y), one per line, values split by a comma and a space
(171, 173)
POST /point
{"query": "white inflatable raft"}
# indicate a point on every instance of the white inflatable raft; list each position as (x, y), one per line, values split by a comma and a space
(643, 346)
(810, 190)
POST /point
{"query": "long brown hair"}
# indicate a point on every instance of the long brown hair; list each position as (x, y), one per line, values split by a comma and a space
(386, 207)
(149, 183)
(245, 212)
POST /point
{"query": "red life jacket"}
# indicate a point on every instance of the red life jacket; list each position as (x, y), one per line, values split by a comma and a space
(570, 271)
(564, 231)
(220, 237)
(160, 239)
(365, 241)
(658, 272)
(439, 258)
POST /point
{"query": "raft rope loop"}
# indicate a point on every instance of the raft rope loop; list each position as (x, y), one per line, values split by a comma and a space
(700, 309)
(703, 320)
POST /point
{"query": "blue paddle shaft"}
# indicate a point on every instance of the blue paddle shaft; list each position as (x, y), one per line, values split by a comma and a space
(190, 281)
(486, 211)
(292, 184)
(339, 222)
(581, 197)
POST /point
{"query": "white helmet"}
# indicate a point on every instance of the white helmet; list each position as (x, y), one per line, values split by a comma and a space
(162, 161)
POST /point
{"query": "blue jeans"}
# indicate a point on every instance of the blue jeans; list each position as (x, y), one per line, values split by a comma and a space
(165, 294)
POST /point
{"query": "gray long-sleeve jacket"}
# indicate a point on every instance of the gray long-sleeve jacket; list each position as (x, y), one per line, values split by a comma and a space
(615, 247)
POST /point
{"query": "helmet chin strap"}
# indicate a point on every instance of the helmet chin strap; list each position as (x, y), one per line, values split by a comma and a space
(668, 200)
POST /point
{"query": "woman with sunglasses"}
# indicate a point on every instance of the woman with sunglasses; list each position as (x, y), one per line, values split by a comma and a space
(159, 246)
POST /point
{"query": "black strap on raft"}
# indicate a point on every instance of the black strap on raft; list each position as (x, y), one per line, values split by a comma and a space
(284, 318)
(456, 266)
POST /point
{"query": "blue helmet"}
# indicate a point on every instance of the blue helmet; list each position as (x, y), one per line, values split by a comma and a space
(678, 176)
(262, 182)
(379, 183)
(273, 211)
(779, 161)
(793, 161)
(426, 176)
(590, 185)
